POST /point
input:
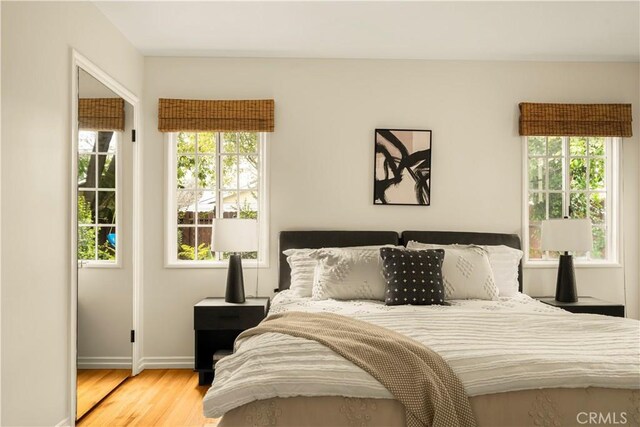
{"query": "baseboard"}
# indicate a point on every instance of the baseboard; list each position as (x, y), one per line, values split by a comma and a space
(104, 363)
(64, 423)
(172, 362)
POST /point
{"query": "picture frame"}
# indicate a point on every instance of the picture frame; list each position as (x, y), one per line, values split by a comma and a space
(402, 167)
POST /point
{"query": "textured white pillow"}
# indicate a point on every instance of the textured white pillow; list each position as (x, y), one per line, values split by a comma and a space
(504, 262)
(348, 273)
(466, 271)
(302, 270)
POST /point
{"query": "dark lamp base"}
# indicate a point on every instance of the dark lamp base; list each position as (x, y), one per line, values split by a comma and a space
(235, 281)
(566, 283)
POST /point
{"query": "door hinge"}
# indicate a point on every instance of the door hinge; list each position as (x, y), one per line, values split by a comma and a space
(133, 336)
(133, 135)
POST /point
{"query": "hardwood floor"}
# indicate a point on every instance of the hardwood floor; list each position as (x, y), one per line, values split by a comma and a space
(156, 397)
(95, 384)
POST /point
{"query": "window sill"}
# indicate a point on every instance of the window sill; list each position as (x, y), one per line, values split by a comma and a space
(577, 264)
(246, 264)
(99, 264)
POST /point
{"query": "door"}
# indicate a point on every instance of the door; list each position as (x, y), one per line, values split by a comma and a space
(104, 235)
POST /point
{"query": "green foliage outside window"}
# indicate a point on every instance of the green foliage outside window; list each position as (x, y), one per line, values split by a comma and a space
(189, 252)
(87, 236)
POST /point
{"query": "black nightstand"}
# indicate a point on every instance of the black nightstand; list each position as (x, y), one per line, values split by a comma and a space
(217, 324)
(587, 305)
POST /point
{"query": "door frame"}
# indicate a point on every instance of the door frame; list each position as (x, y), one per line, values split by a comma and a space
(80, 61)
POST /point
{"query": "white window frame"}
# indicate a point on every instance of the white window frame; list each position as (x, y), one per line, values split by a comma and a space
(102, 263)
(614, 210)
(171, 219)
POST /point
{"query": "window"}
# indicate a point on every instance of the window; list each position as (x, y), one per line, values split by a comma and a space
(574, 177)
(98, 189)
(213, 175)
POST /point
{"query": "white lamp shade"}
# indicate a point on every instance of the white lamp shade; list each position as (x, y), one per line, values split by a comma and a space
(234, 235)
(567, 235)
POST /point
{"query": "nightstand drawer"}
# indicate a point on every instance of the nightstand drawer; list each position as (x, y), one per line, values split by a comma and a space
(242, 317)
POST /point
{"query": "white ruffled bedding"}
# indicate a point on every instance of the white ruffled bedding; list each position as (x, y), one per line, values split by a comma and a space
(498, 346)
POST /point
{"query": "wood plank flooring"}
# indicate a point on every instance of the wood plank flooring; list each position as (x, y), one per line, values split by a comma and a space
(156, 397)
(95, 384)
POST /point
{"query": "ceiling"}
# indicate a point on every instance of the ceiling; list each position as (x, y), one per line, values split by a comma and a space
(529, 31)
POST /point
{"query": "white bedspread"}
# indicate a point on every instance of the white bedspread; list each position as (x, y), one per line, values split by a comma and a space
(511, 344)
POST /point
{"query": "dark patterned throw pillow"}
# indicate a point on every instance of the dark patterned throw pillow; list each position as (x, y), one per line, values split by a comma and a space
(413, 277)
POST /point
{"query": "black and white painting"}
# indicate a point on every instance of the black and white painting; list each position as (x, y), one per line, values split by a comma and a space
(402, 167)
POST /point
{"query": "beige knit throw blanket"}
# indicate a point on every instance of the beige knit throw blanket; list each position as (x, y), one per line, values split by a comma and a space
(416, 376)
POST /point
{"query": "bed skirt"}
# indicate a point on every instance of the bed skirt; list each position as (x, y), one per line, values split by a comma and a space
(556, 407)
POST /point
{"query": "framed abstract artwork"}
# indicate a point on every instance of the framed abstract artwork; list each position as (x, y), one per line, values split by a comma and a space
(402, 170)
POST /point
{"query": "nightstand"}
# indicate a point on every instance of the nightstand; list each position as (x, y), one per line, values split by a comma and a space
(587, 305)
(217, 324)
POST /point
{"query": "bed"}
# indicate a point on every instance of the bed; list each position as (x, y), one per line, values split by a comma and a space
(521, 362)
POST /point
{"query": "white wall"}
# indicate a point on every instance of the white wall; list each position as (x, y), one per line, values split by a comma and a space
(321, 159)
(36, 78)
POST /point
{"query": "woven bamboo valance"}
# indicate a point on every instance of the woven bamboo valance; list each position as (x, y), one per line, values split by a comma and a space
(106, 114)
(191, 115)
(575, 119)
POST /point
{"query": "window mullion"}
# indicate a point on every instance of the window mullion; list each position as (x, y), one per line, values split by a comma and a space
(567, 175)
(238, 187)
(96, 149)
(195, 216)
(587, 194)
(609, 205)
(116, 189)
(547, 198)
(173, 184)
(546, 177)
(219, 212)
(238, 174)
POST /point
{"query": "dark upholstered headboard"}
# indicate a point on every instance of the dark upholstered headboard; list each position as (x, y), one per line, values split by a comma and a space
(313, 239)
(465, 238)
(326, 239)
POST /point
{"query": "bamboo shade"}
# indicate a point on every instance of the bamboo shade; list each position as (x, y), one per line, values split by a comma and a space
(575, 119)
(190, 115)
(106, 114)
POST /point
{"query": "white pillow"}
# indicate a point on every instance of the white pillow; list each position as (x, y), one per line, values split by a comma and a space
(504, 262)
(348, 273)
(466, 271)
(303, 268)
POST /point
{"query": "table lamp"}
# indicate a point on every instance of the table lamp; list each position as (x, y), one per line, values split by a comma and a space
(236, 236)
(566, 235)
